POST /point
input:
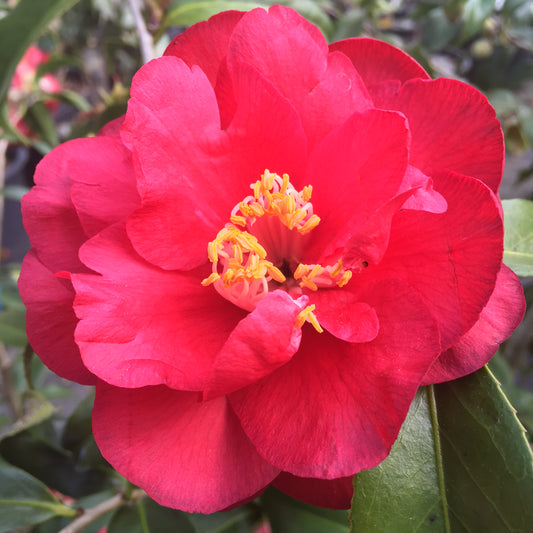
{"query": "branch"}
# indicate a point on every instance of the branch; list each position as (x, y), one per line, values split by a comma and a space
(90, 515)
(10, 392)
(146, 42)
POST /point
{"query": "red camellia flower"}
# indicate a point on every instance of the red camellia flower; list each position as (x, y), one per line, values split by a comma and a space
(265, 258)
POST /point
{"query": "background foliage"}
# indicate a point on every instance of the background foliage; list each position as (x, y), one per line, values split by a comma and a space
(462, 461)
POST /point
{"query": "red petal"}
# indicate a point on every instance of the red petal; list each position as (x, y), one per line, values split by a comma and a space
(337, 407)
(453, 127)
(377, 61)
(140, 325)
(50, 320)
(450, 259)
(331, 493)
(425, 197)
(103, 190)
(367, 156)
(263, 341)
(500, 317)
(205, 44)
(291, 53)
(49, 216)
(192, 173)
(184, 453)
(341, 313)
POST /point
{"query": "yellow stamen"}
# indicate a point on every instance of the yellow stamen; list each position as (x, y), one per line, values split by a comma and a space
(211, 279)
(346, 277)
(307, 315)
(240, 221)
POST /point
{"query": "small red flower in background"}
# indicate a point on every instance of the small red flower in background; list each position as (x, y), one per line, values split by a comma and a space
(261, 263)
(25, 84)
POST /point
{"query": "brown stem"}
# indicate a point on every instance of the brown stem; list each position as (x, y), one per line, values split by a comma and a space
(90, 515)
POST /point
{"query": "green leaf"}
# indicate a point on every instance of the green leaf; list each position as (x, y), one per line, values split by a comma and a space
(185, 13)
(403, 492)
(36, 409)
(291, 516)
(461, 464)
(243, 519)
(22, 27)
(39, 120)
(475, 13)
(25, 501)
(518, 240)
(149, 517)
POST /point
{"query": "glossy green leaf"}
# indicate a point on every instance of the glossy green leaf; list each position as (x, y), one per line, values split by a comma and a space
(465, 448)
(25, 501)
(22, 27)
(518, 241)
(291, 516)
(402, 494)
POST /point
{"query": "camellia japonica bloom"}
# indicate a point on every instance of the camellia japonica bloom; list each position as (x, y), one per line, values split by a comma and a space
(262, 261)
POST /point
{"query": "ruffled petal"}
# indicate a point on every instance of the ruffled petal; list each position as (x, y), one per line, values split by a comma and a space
(140, 325)
(191, 173)
(263, 341)
(377, 61)
(367, 157)
(451, 259)
(337, 407)
(453, 127)
(205, 44)
(425, 197)
(340, 312)
(184, 453)
(330, 493)
(500, 317)
(50, 320)
(292, 54)
(103, 185)
(49, 216)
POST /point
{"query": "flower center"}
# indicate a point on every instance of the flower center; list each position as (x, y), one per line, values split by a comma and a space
(259, 249)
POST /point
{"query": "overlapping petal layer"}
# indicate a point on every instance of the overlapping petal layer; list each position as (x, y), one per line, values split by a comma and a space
(203, 403)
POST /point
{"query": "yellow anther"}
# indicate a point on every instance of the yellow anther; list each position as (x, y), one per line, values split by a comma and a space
(317, 270)
(212, 252)
(257, 189)
(337, 269)
(306, 282)
(257, 210)
(345, 278)
(307, 191)
(307, 315)
(301, 270)
(285, 183)
(276, 274)
(240, 221)
(210, 279)
(268, 180)
(309, 225)
(237, 253)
